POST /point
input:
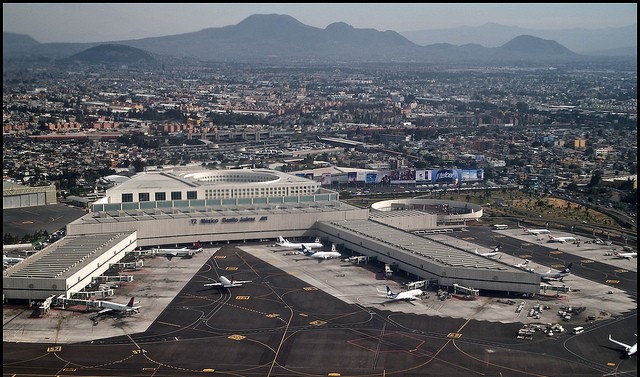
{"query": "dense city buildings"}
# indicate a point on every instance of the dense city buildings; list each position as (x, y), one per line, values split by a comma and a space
(540, 127)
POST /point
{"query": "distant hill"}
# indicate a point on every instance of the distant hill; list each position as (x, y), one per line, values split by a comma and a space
(273, 38)
(527, 44)
(112, 54)
(579, 40)
(16, 43)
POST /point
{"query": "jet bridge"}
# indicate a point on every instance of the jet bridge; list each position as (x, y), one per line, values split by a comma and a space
(467, 291)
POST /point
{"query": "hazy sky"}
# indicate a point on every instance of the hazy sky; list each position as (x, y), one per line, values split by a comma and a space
(99, 22)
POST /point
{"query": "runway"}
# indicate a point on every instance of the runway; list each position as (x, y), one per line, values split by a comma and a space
(281, 325)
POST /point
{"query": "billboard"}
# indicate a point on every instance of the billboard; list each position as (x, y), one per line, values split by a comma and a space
(447, 176)
(326, 179)
(402, 176)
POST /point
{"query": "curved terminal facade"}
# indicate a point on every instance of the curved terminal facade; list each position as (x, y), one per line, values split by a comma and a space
(214, 206)
(171, 208)
(415, 214)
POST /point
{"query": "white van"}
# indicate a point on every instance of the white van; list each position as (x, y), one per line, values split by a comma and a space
(578, 330)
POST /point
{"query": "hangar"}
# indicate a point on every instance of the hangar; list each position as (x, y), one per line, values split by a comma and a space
(18, 196)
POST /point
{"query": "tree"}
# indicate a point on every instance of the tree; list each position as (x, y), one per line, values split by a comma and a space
(596, 179)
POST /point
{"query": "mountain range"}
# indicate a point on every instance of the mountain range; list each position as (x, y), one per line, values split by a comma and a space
(621, 41)
(282, 38)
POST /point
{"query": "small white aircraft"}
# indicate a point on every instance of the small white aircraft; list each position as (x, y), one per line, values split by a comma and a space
(628, 348)
(128, 308)
(322, 255)
(556, 276)
(628, 256)
(535, 232)
(561, 239)
(524, 266)
(10, 260)
(298, 245)
(226, 283)
(410, 295)
(493, 253)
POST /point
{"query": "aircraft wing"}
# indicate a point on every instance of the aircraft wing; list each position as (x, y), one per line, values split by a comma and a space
(625, 346)
(105, 311)
(241, 281)
(218, 284)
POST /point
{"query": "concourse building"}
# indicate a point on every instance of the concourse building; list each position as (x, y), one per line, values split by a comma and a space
(214, 207)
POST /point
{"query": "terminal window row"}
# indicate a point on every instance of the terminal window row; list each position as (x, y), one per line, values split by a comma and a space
(127, 197)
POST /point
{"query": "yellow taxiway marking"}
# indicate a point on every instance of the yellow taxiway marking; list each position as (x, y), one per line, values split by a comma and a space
(169, 324)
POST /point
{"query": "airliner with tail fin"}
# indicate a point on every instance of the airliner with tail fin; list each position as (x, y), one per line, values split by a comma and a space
(282, 242)
(110, 307)
(556, 276)
(493, 253)
(535, 232)
(321, 254)
(628, 256)
(561, 239)
(410, 295)
(226, 283)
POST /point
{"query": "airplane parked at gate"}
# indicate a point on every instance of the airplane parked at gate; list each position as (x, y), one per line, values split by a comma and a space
(628, 348)
(561, 239)
(556, 276)
(298, 245)
(128, 308)
(321, 254)
(411, 295)
(182, 252)
(633, 254)
(10, 260)
(226, 283)
(493, 253)
(535, 232)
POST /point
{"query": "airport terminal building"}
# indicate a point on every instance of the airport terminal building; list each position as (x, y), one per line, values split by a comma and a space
(221, 206)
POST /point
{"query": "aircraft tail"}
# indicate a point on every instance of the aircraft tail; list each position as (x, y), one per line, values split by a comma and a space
(498, 246)
(306, 250)
(568, 268)
(390, 293)
(131, 302)
(281, 240)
